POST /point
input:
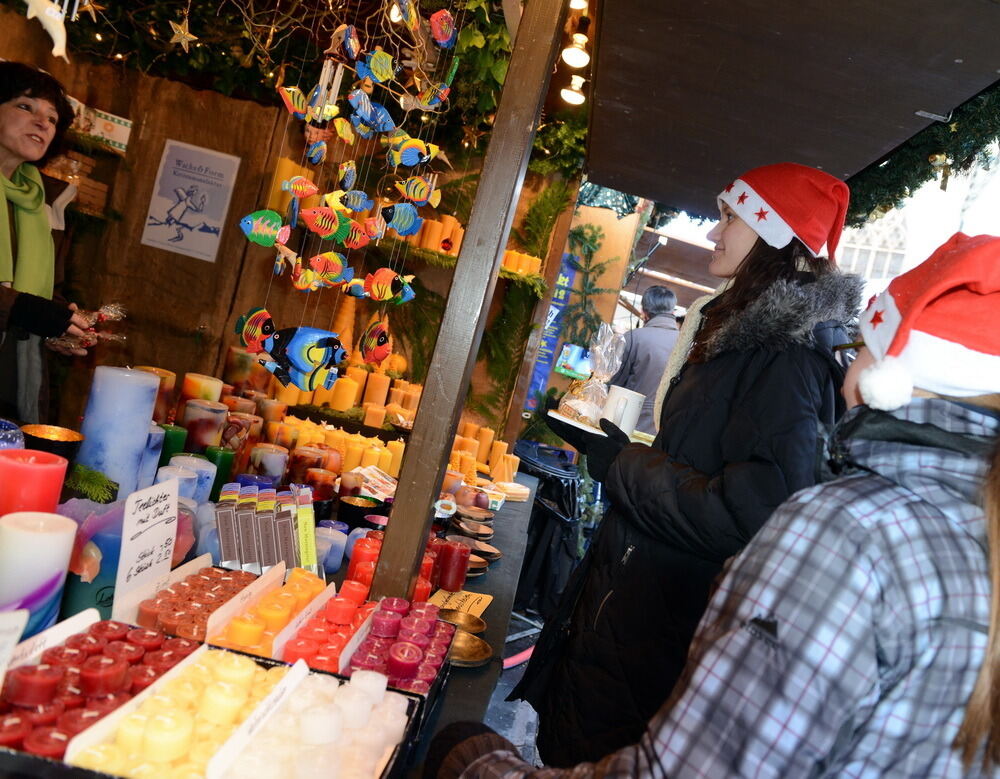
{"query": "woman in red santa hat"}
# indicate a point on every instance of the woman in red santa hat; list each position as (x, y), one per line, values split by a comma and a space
(858, 634)
(747, 390)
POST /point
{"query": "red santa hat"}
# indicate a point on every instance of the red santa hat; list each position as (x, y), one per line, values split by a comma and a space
(935, 327)
(786, 201)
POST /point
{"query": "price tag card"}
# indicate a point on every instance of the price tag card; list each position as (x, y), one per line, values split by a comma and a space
(474, 603)
(11, 627)
(148, 533)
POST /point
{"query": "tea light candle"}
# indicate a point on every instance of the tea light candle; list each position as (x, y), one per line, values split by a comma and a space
(174, 438)
(32, 685)
(205, 421)
(102, 675)
(167, 735)
(355, 591)
(275, 614)
(403, 659)
(345, 390)
(205, 472)
(360, 377)
(197, 386)
(30, 480)
(164, 393)
(187, 480)
(300, 649)
(46, 742)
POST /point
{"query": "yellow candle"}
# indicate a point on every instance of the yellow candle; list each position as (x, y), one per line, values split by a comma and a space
(469, 429)
(236, 669)
(289, 394)
(469, 445)
(130, 731)
(222, 701)
(456, 240)
(410, 400)
(377, 389)
(497, 451)
(167, 736)
(370, 456)
(107, 758)
(303, 594)
(396, 448)
(305, 398)
(275, 614)
(246, 629)
(534, 265)
(322, 396)
(360, 376)
(334, 437)
(353, 457)
(430, 238)
(448, 225)
(396, 396)
(485, 438)
(454, 459)
(401, 384)
(385, 460)
(344, 392)
(374, 416)
(467, 465)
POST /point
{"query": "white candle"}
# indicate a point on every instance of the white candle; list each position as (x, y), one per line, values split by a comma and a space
(205, 471)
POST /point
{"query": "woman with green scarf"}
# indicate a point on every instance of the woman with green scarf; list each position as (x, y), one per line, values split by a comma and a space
(34, 115)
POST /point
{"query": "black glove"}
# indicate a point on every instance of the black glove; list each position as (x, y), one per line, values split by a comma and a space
(603, 451)
(39, 316)
(574, 436)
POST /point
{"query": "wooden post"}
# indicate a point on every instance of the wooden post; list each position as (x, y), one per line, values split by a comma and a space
(506, 161)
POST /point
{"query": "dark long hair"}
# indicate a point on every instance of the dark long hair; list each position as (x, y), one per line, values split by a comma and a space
(17, 79)
(762, 267)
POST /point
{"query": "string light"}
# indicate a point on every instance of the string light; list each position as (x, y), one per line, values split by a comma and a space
(395, 15)
(573, 94)
(575, 55)
(98, 36)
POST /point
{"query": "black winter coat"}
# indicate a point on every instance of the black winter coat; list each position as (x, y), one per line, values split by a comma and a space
(739, 433)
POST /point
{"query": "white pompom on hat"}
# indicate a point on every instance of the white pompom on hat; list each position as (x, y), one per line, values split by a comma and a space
(935, 327)
(788, 200)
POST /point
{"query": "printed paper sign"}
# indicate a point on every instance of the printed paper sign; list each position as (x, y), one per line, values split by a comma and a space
(474, 603)
(11, 627)
(190, 201)
(148, 533)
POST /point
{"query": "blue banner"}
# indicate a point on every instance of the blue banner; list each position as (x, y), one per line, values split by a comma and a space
(546, 355)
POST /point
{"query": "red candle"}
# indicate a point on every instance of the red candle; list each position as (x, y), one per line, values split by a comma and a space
(30, 480)
(46, 742)
(355, 591)
(422, 588)
(43, 713)
(444, 630)
(30, 685)
(78, 720)
(109, 630)
(340, 610)
(454, 562)
(317, 634)
(69, 694)
(91, 645)
(107, 703)
(64, 656)
(404, 659)
(365, 551)
(124, 650)
(425, 609)
(162, 659)
(365, 661)
(180, 646)
(170, 621)
(300, 649)
(421, 640)
(365, 573)
(426, 569)
(426, 672)
(327, 658)
(142, 677)
(102, 675)
(13, 729)
(386, 623)
(417, 625)
(398, 605)
(146, 638)
(418, 686)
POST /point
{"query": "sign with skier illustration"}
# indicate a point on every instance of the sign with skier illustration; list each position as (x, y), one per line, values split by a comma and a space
(190, 200)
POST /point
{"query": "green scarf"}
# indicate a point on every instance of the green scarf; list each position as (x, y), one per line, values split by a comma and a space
(34, 270)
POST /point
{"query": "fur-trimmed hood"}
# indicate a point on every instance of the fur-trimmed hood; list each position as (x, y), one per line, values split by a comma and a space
(790, 313)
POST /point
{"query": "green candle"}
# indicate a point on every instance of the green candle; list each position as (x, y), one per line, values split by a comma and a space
(223, 459)
(173, 442)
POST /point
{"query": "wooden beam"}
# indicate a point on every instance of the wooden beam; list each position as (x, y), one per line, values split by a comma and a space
(506, 161)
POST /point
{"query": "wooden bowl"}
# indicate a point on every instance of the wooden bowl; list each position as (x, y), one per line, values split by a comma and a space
(469, 651)
(463, 620)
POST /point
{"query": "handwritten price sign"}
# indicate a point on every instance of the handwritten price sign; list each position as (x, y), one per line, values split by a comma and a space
(148, 535)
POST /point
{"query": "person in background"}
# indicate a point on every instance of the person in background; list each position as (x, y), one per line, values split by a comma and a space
(749, 386)
(34, 115)
(858, 633)
(646, 351)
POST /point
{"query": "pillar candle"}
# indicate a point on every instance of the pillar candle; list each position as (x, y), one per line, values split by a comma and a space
(174, 438)
(187, 480)
(457, 235)
(485, 438)
(469, 429)
(430, 238)
(448, 225)
(116, 424)
(401, 384)
(322, 396)
(300, 460)
(30, 480)
(204, 420)
(384, 460)
(239, 405)
(165, 393)
(534, 265)
(360, 377)
(377, 389)
(269, 460)
(454, 563)
(237, 369)
(305, 397)
(497, 451)
(396, 396)
(205, 470)
(238, 430)
(227, 390)
(334, 438)
(322, 482)
(223, 460)
(411, 400)
(396, 448)
(467, 445)
(352, 459)
(256, 396)
(271, 410)
(151, 456)
(370, 456)
(260, 377)
(200, 386)
(374, 416)
(345, 391)
(34, 555)
(286, 394)
(282, 434)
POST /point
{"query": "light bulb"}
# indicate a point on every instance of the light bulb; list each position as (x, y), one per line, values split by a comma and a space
(395, 15)
(575, 55)
(578, 5)
(573, 94)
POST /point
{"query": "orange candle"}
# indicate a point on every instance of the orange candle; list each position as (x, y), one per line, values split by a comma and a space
(469, 429)
(485, 438)
(377, 389)
(345, 390)
(360, 377)
(374, 416)
(396, 448)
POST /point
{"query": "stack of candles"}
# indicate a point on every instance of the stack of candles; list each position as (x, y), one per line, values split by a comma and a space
(254, 631)
(522, 264)
(183, 608)
(78, 682)
(443, 235)
(476, 450)
(179, 728)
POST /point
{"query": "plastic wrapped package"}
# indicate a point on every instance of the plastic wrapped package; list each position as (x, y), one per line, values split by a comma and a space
(585, 398)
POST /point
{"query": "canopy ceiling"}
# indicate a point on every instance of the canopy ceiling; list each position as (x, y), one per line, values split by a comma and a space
(687, 95)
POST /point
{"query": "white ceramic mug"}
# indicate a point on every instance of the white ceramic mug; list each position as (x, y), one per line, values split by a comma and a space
(623, 407)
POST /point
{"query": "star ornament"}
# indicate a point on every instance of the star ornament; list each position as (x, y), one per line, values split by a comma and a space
(91, 7)
(182, 35)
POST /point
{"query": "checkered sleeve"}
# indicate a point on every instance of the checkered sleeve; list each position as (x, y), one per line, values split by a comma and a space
(783, 665)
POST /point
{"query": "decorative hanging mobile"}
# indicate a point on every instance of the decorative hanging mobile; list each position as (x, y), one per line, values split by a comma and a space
(52, 17)
(265, 228)
(328, 269)
(304, 356)
(301, 188)
(420, 190)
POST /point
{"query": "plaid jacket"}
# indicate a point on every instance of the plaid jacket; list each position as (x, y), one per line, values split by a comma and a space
(846, 638)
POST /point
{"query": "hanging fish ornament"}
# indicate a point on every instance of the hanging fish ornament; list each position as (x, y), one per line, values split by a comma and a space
(316, 153)
(385, 284)
(326, 223)
(368, 117)
(294, 100)
(420, 191)
(356, 200)
(408, 10)
(345, 37)
(52, 18)
(378, 66)
(344, 131)
(433, 95)
(403, 218)
(443, 28)
(375, 226)
(347, 174)
(328, 269)
(411, 152)
(357, 237)
(375, 345)
(265, 228)
(355, 288)
(304, 356)
(300, 187)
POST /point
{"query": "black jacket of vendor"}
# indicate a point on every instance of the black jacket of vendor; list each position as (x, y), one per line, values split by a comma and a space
(739, 433)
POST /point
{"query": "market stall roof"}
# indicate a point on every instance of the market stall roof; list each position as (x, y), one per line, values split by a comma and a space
(687, 95)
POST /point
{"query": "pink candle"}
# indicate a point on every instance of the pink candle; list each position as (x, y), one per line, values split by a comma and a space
(30, 480)
(386, 624)
(417, 625)
(403, 660)
(399, 605)
(421, 640)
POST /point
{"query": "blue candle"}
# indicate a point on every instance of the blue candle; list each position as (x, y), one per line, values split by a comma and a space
(116, 424)
(187, 480)
(151, 456)
(248, 479)
(206, 474)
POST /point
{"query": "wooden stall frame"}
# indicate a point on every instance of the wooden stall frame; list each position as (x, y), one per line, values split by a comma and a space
(535, 49)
